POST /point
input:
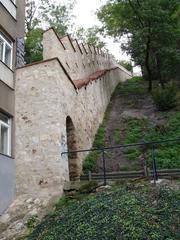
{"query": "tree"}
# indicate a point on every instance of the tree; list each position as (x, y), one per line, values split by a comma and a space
(126, 65)
(90, 36)
(44, 14)
(58, 15)
(30, 20)
(33, 33)
(152, 31)
(33, 45)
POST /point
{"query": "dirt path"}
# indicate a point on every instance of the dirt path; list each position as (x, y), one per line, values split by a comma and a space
(128, 102)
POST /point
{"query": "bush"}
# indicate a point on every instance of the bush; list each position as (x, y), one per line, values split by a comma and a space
(88, 187)
(90, 162)
(165, 99)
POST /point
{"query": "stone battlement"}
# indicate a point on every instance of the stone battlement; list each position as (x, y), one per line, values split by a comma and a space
(79, 60)
(60, 103)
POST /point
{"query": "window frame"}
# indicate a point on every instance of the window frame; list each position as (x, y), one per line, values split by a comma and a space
(8, 125)
(10, 45)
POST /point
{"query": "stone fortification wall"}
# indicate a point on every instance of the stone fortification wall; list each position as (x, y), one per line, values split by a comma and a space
(60, 103)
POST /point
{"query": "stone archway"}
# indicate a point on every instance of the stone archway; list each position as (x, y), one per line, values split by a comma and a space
(71, 144)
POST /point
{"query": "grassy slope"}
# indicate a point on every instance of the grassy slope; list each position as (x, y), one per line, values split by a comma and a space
(125, 213)
(132, 212)
(141, 130)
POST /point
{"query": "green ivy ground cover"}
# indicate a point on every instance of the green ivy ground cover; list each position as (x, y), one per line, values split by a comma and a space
(142, 214)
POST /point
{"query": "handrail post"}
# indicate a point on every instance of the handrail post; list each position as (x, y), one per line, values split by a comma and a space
(89, 175)
(155, 175)
(104, 166)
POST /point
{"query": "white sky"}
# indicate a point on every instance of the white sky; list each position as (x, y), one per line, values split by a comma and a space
(84, 12)
(85, 16)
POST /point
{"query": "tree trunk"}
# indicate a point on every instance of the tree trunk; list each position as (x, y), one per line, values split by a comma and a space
(148, 70)
(158, 61)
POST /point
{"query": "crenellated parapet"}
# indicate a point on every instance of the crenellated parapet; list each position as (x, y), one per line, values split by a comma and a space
(60, 103)
(79, 60)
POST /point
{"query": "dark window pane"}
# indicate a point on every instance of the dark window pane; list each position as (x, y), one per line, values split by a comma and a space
(3, 118)
(4, 140)
(1, 49)
(7, 59)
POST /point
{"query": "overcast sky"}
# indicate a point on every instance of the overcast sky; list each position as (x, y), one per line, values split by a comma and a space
(85, 16)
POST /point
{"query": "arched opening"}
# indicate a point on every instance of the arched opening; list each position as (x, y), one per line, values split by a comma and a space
(71, 143)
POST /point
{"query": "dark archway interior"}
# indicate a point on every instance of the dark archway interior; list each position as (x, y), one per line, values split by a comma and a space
(71, 143)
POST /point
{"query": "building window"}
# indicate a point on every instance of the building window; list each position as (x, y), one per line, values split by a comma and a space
(5, 51)
(5, 134)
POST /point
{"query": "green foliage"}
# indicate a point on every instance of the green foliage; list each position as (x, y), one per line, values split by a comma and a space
(121, 214)
(134, 85)
(31, 21)
(165, 99)
(126, 65)
(135, 130)
(88, 187)
(90, 161)
(58, 16)
(134, 133)
(152, 32)
(167, 154)
(99, 138)
(31, 222)
(33, 46)
(63, 202)
(116, 135)
(172, 129)
(168, 157)
(132, 153)
(140, 130)
(49, 14)
(90, 36)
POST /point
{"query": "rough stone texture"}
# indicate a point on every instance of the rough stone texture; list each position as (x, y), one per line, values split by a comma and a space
(14, 222)
(50, 107)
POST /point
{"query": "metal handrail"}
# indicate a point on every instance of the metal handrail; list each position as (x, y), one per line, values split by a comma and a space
(103, 149)
(122, 146)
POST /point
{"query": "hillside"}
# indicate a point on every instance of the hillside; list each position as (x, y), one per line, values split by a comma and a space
(132, 117)
(131, 210)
